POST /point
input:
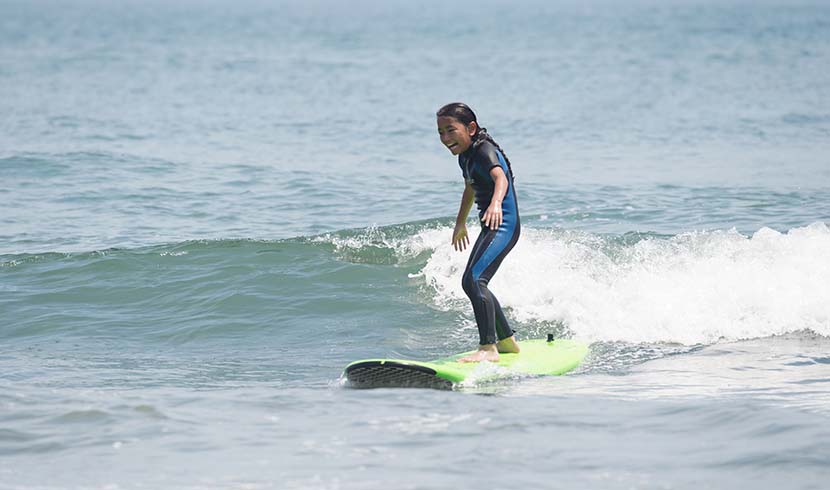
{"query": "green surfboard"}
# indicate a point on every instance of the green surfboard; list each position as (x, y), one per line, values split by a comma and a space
(538, 357)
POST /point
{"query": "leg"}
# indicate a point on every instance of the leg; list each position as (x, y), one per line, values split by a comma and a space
(476, 290)
(507, 343)
(490, 249)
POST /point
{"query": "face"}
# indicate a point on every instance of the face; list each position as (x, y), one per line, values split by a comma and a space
(455, 135)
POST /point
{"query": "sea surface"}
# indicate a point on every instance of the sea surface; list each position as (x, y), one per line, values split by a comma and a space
(209, 208)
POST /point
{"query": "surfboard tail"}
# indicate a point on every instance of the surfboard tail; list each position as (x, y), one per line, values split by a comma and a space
(391, 374)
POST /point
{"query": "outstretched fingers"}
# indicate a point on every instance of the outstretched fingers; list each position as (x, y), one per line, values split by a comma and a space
(460, 241)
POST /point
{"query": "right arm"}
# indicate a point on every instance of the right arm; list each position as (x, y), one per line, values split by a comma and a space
(460, 240)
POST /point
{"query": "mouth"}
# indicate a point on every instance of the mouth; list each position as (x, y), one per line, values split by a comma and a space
(452, 146)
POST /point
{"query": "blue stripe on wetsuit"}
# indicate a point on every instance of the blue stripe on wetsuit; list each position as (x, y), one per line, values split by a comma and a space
(504, 234)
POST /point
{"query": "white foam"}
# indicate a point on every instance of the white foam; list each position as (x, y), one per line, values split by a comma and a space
(698, 287)
(403, 247)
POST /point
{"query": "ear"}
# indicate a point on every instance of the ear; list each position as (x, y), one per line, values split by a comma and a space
(472, 128)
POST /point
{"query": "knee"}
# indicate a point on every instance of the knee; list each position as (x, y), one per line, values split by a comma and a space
(468, 284)
(474, 287)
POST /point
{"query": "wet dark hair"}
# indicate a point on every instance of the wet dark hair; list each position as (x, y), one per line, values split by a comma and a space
(462, 113)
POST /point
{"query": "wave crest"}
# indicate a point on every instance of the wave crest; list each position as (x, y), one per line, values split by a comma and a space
(698, 287)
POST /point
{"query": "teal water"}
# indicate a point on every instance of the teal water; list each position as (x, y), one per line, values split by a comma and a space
(210, 208)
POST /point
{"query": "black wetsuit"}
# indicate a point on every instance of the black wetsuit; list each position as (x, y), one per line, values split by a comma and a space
(492, 245)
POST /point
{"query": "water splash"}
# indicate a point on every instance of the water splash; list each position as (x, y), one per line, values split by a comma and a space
(697, 287)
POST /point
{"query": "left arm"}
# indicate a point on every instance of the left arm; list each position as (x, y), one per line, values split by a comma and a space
(493, 216)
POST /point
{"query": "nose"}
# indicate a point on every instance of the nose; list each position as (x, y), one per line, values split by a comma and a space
(445, 138)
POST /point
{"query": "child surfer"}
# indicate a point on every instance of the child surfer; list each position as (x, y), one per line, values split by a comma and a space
(488, 181)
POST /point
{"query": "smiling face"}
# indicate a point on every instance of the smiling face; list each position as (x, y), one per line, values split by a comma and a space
(455, 135)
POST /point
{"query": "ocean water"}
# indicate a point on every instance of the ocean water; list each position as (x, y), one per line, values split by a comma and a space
(208, 208)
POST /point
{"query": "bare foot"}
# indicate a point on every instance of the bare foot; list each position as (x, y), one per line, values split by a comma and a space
(508, 345)
(484, 353)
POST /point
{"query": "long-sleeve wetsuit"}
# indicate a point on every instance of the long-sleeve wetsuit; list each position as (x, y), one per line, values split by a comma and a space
(492, 245)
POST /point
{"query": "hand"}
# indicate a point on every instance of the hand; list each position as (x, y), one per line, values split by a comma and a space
(493, 217)
(460, 240)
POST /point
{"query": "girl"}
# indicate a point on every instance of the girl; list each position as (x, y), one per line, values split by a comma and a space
(488, 181)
